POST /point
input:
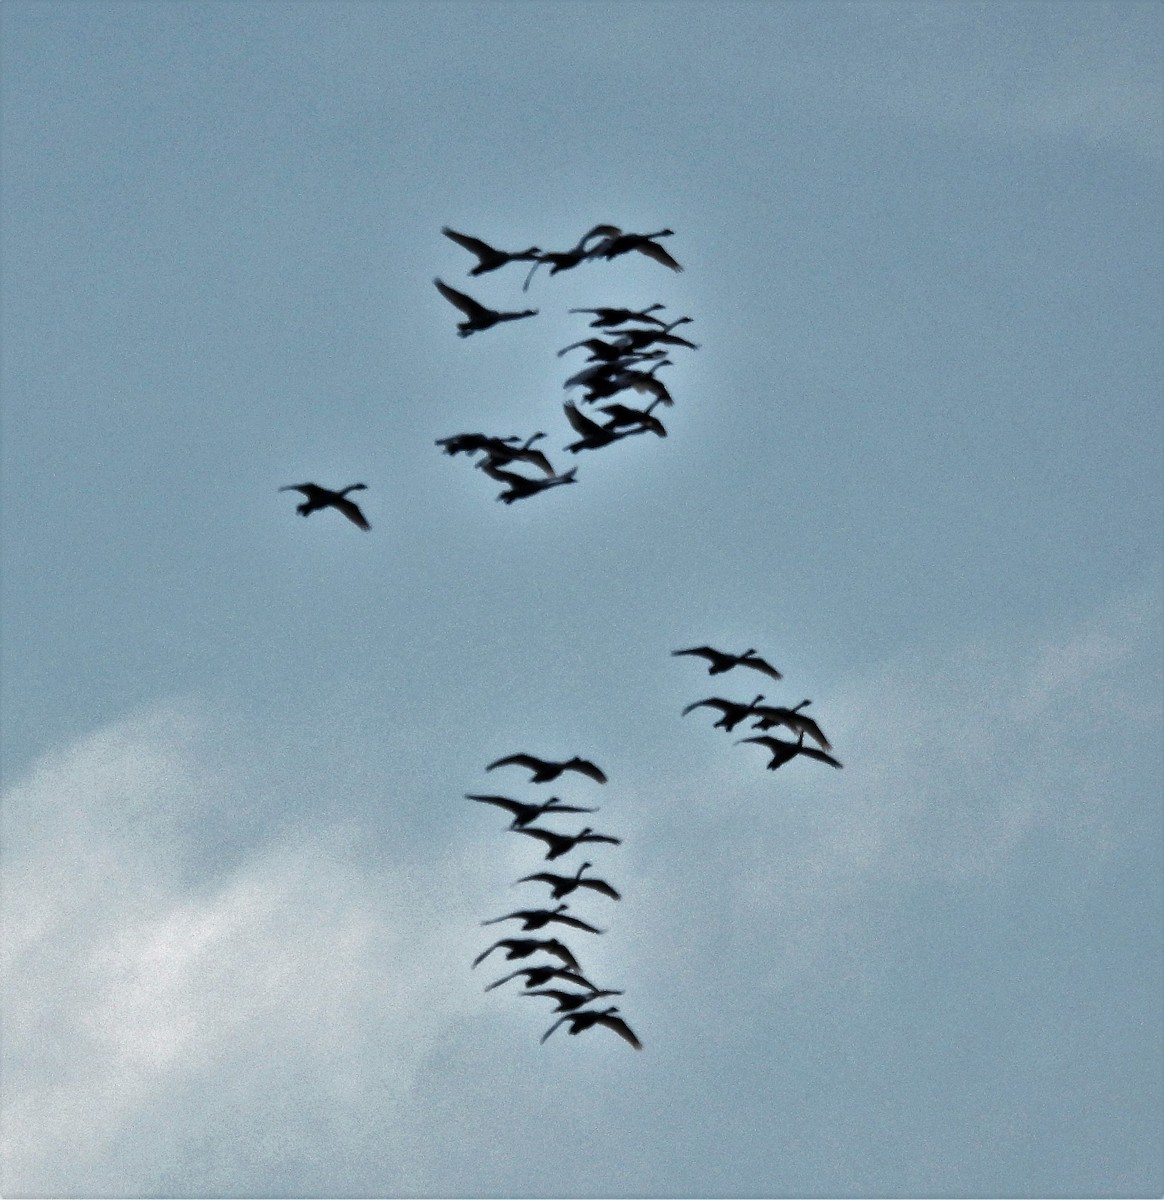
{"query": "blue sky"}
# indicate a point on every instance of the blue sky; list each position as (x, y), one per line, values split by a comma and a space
(916, 462)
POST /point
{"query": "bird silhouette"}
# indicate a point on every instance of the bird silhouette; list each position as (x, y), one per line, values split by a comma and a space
(621, 414)
(594, 435)
(721, 661)
(524, 947)
(320, 497)
(536, 976)
(546, 771)
(607, 318)
(520, 487)
(564, 885)
(523, 814)
(570, 1001)
(489, 258)
(732, 711)
(562, 843)
(783, 751)
(566, 259)
(580, 1021)
(790, 718)
(538, 918)
(644, 243)
(478, 317)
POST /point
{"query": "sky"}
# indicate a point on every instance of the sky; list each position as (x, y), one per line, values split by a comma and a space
(916, 462)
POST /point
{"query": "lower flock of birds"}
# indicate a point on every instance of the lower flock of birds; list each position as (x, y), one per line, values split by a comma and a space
(573, 990)
(617, 364)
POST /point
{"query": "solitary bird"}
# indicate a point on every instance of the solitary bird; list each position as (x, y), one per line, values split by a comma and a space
(538, 918)
(721, 661)
(607, 318)
(732, 711)
(545, 771)
(580, 1021)
(562, 843)
(569, 1001)
(792, 718)
(536, 976)
(523, 814)
(783, 751)
(320, 497)
(478, 317)
(489, 259)
(524, 947)
(564, 885)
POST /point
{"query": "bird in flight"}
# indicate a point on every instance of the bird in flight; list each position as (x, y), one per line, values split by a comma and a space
(583, 1020)
(644, 243)
(478, 317)
(607, 318)
(562, 843)
(524, 947)
(545, 771)
(520, 487)
(536, 976)
(523, 814)
(566, 259)
(569, 1001)
(783, 751)
(622, 414)
(537, 918)
(791, 718)
(320, 497)
(733, 712)
(489, 259)
(721, 661)
(564, 885)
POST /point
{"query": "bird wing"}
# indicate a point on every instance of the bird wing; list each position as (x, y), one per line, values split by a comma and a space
(581, 423)
(601, 886)
(544, 835)
(514, 806)
(553, 806)
(561, 950)
(702, 652)
(724, 706)
(305, 489)
(474, 245)
(575, 922)
(655, 251)
(351, 511)
(518, 760)
(553, 1027)
(758, 664)
(585, 767)
(600, 837)
(819, 755)
(466, 304)
(620, 1027)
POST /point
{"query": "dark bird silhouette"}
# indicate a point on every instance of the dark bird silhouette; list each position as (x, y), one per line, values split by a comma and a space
(594, 435)
(614, 379)
(320, 497)
(564, 885)
(523, 814)
(720, 661)
(545, 771)
(641, 418)
(498, 456)
(644, 243)
(602, 374)
(473, 443)
(524, 947)
(732, 712)
(562, 843)
(539, 918)
(489, 258)
(783, 751)
(791, 718)
(608, 318)
(569, 1001)
(583, 1020)
(565, 260)
(478, 317)
(631, 341)
(536, 976)
(519, 487)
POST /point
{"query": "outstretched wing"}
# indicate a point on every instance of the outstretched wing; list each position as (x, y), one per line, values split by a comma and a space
(518, 760)
(600, 886)
(514, 806)
(585, 767)
(620, 1027)
(758, 664)
(351, 511)
(466, 304)
(474, 245)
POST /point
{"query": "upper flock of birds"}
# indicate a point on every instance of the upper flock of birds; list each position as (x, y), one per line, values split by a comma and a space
(617, 364)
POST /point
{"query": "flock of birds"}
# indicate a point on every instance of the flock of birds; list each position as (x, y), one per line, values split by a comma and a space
(565, 969)
(617, 363)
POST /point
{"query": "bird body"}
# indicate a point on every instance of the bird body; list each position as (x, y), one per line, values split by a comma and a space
(608, 318)
(317, 497)
(732, 711)
(644, 243)
(581, 1021)
(520, 487)
(565, 260)
(783, 751)
(790, 718)
(558, 844)
(478, 316)
(621, 414)
(545, 771)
